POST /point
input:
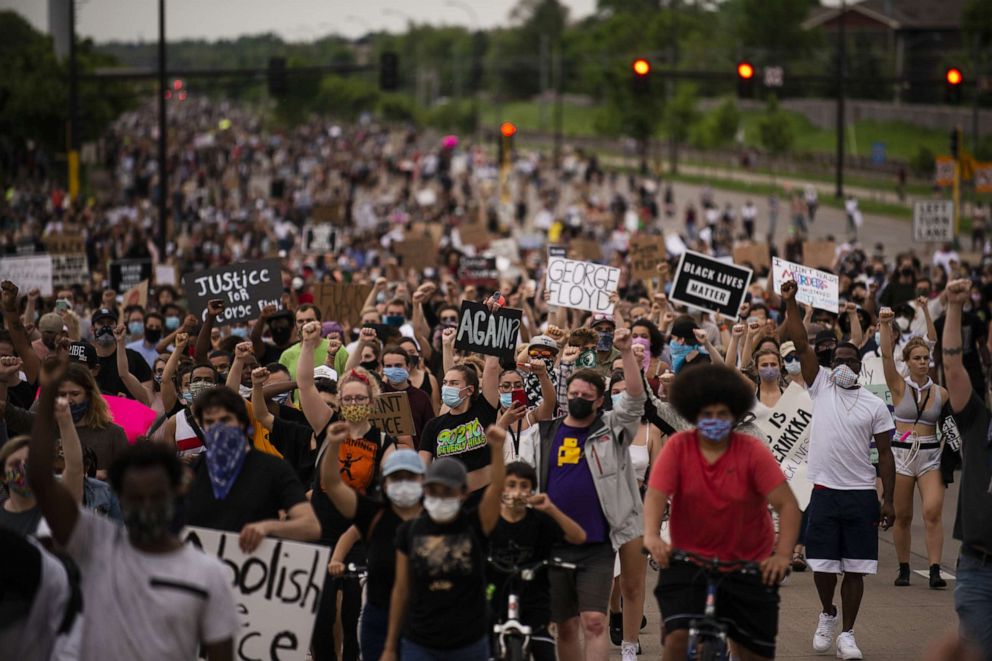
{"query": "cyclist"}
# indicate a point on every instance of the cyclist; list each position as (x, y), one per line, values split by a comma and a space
(720, 484)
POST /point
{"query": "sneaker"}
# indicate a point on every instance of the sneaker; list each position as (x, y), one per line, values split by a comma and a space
(847, 648)
(936, 580)
(825, 630)
(628, 651)
(616, 628)
(902, 579)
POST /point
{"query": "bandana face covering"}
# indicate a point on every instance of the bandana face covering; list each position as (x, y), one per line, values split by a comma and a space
(679, 353)
(226, 449)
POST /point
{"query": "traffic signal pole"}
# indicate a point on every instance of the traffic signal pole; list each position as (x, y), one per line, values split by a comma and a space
(841, 74)
(73, 137)
(163, 174)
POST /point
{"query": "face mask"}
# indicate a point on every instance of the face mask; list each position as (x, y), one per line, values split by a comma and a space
(281, 398)
(793, 367)
(605, 342)
(281, 335)
(239, 331)
(135, 327)
(356, 412)
(903, 323)
(451, 396)
(769, 373)
(79, 410)
(586, 359)
(369, 365)
(393, 320)
(157, 378)
(197, 388)
(579, 408)
(171, 323)
(618, 400)
(714, 429)
(396, 374)
(844, 377)
(148, 523)
(17, 479)
(404, 494)
(105, 335)
(153, 335)
(442, 510)
(514, 502)
(878, 339)
(506, 399)
(226, 449)
(679, 352)
(188, 397)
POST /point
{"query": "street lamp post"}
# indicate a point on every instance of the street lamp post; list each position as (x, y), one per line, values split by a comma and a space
(163, 174)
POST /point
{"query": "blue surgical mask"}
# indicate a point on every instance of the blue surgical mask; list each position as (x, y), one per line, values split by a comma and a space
(878, 339)
(506, 399)
(396, 374)
(136, 327)
(618, 400)
(714, 429)
(451, 396)
(171, 323)
(393, 320)
(239, 331)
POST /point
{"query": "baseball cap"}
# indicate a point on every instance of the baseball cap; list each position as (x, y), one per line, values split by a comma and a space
(104, 313)
(324, 372)
(447, 472)
(50, 323)
(787, 348)
(83, 352)
(544, 342)
(824, 336)
(403, 460)
(600, 318)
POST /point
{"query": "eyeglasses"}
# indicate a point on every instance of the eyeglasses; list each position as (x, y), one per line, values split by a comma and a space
(355, 400)
(508, 387)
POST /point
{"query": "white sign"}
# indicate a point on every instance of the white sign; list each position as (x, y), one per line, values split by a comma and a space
(872, 379)
(276, 589)
(816, 288)
(28, 272)
(319, 238)
(581, 285)
(165, 274)
(69, 269)
(774, 77)
(933, 220)
(786, 430)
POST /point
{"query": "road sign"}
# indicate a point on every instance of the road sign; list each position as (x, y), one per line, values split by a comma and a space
(933, 220)
(774, 77)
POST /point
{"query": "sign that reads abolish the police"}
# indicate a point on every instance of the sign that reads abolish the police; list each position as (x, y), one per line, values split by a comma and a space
(276, 590)
(708, 284)
(484, 332)
(245, 288)
(933, 221)
(816, 288)
(582, 285)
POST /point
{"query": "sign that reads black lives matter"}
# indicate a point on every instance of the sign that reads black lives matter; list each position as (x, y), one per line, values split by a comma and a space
(708, 284)
(245, 288)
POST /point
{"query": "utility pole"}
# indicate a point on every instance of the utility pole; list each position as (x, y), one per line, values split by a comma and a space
(163, 175)
(73, 138)
(841, 75)
(559, 74)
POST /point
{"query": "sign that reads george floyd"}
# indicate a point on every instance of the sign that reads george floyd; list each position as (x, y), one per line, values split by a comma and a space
(481, 331)
(126, 274)
(709, 284)
(245, 288)
(582, 285)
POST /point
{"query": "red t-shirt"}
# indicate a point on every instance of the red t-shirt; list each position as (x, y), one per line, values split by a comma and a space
(719, 510)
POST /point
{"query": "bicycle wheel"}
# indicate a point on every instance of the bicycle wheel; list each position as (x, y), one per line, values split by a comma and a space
(709, 649)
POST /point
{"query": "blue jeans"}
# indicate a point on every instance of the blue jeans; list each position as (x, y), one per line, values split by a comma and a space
(973, 601)
(477, 651)
(372, 631)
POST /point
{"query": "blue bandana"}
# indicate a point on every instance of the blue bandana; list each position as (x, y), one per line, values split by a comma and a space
(680, 351)
(226, 449)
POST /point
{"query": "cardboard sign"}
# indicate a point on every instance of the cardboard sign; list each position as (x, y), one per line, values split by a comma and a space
(342, 301)
(128, 273)
(646, 252)
(581, 285)
(819, 254)
(481, 331)
(505, 248)
(586, 249)
(28, 272)
(478, 271)
(709, 284)
(276, 590)
(755, 254)
(329, 213)
(816, 288)
(165, 274)
(393, 415)
(416, 252)
(473, 235)
(872, 379)
(64, 242)
(318, 239)
(69, 269)
(245, 288)
(137, 295)
(933, 220)
(786, 430)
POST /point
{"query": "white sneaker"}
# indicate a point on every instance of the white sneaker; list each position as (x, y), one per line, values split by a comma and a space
(628, 651)
(847, 648)
(823, 639)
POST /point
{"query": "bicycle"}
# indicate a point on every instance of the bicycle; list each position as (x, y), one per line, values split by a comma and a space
(513, 637)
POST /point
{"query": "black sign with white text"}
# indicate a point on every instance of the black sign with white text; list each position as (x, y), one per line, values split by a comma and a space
(481, 331)
(245, 288)
(128, 273)
(708, 284)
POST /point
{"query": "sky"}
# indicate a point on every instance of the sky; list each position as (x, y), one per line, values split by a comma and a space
(294, 20)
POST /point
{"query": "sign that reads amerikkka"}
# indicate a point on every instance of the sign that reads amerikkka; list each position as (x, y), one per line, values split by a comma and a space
(492, 334)
(709, 284)
(933, 220)
(581, 285)
(245, 288)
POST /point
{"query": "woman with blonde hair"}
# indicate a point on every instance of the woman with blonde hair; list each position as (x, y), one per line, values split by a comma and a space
(93, 419)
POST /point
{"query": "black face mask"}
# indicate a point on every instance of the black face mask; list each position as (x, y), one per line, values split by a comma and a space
(369, 366)
(579, 408)
(281, 335)
(153, 335)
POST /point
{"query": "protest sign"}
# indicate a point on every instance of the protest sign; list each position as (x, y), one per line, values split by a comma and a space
(816, 288)
(933, 220)
(819, 254)
(319, 239)
(581, 285)
(674, 245)
(752, 254)
(137, 295)
(478, 271)
(342, 301)
(69, 269)
(872, 379)
(589, 250)
(482, 331)
(127, 273)
(474, 234)
(276, 591)
(332, 212)
(245, 288)
(416, 252)
(65, 242)
(392, 414)
(786, 429)
(557, 251)
(28, 272)
(708, 284)
(165, 274)
(646, 252)
(505, 248)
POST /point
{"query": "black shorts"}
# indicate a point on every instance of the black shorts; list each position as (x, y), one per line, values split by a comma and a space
(747, 606)
(842, 531)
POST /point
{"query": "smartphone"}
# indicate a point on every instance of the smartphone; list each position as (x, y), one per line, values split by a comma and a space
(62, 304)
(519, 397)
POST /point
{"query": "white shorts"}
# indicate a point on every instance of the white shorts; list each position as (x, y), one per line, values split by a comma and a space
(917, 460)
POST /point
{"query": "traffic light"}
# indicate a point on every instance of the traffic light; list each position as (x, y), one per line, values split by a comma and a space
(641, 81)
(955, 142)
(952, 85)
(389, 76)
(277, 76)
(745, 79)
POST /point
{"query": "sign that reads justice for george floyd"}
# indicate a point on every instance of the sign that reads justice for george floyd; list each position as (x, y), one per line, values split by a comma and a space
(708, 284)
(245, 288)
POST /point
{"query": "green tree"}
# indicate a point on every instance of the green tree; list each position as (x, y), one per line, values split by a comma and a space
(718, 127)
(515, 59)
(775, 130)
(773, 28)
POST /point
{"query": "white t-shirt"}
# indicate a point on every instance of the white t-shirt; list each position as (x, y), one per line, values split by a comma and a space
(147, 605)
(843, 427)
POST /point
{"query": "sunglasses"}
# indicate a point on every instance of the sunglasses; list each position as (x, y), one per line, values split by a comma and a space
(791, 358)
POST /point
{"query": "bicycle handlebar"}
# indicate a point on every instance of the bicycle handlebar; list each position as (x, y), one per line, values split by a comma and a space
(714, 564)
(527, 571)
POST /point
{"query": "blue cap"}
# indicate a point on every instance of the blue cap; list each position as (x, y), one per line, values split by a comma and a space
(403, 460)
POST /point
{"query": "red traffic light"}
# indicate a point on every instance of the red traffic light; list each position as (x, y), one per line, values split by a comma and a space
(508, 129)
(745, 71)
(641, 67)
(953, 76)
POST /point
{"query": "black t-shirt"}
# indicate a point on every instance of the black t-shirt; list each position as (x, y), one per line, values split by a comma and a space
(523, 543)
(972, 523)
(446, 607)
(109, 379)
(271, 355)
(22, 394)
(381, 560)
(265, 485)
(461, 436)
(295, 443)
(25, 523)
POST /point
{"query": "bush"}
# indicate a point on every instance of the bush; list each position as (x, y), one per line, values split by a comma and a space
(454, 116)
(923, 162)
(346, 98)
(718, 127)
(398, 108)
